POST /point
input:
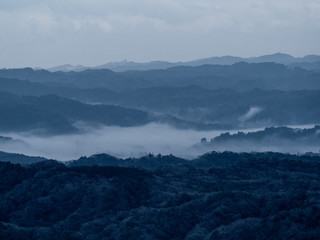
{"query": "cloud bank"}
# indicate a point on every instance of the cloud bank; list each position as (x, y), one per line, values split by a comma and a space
(127, 142)
(117, 141)
(47, 33)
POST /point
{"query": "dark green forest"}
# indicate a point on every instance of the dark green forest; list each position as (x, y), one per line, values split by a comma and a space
(216, 196)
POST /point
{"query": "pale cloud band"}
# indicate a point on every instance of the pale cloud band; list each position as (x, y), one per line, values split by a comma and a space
(46, 33)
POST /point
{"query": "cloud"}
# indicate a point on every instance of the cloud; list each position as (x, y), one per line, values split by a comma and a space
(90, 22)
(28, 20)
(117, 141)
(144, 30)
(253, 111)
(135, 142)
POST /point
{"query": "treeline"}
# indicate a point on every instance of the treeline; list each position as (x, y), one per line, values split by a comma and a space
(217, 196)
(271, 136)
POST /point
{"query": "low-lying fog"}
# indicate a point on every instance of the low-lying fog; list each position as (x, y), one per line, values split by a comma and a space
(120, 142)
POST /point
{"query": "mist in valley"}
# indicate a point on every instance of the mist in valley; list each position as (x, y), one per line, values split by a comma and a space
(124, 142)
(117, 141)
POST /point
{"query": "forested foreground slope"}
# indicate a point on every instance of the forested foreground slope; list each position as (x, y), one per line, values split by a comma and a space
(217, 196)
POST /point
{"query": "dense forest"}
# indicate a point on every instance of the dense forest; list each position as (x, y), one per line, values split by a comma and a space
(216, 196)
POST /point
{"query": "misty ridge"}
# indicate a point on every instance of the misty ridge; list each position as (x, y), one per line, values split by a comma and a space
(125, 142)
(117, 141)
(162, 110)
(218, 148)
(310, 62)
(277, 139)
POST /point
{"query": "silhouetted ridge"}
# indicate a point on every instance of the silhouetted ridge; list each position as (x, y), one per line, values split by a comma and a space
(224, 60)
(149, 161)
(19, 158)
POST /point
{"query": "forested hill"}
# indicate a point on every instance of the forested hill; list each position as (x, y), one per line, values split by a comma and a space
(183, 107)
(272, 136)
(253, 196)
(55, 115)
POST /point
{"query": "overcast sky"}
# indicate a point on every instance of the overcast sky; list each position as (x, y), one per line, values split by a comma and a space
(44, 33)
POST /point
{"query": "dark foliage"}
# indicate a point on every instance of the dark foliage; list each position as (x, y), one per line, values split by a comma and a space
(149, 162)
(218, 196)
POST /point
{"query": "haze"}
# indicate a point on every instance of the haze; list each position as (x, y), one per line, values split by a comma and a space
(117, 141)
(47, 33)
(125, 142)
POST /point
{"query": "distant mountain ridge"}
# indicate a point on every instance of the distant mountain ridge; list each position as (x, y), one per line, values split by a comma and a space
(241, 76)
(303, 62)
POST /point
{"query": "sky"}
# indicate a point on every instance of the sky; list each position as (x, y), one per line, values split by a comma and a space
(46, 33)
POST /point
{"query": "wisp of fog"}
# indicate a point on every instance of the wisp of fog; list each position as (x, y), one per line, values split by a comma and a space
(117, 141)
(126, 142)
